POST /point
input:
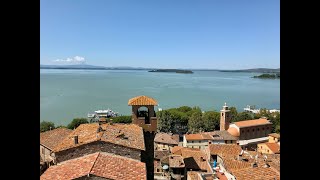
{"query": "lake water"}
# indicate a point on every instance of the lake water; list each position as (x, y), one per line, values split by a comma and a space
(66, 94)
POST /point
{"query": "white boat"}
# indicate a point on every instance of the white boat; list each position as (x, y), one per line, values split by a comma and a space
(106, 113)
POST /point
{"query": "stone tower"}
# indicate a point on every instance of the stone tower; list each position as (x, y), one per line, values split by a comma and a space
(143, 113)
(224, 117)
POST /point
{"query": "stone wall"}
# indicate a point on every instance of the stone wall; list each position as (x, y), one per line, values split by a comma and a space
(98, 146)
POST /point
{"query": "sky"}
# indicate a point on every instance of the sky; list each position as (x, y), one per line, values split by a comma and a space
(211, 34)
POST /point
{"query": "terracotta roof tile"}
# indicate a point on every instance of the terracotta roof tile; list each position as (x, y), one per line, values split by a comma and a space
(198, 136)
(175, 149)
(232, 164)
(159, 154)
(142, 100)
(129, 135)
(166, 138)
(99, 164)
(274, 147)
(193, 175)
(194, 158)
(254, 122)
(176, 161)
(221, 135)
(53, 137)
(224, 150)
(256, 173)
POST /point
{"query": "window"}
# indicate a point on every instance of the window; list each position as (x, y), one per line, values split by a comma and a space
(248, 130)
(221, 114)
(258, 129)
(242, 131)
(192, 141)
(268, 150)
(252, 130)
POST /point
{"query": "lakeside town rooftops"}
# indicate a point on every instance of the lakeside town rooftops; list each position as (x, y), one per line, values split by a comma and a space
(254, 122)
(128, 135)
(166, 138)
(176, 161)
(194, 158)
(256, 173)
(159, 154)
(191, 137)
(224, 150)
(221, 135)
(99, 164)
(142, 100)
(52, 138)
(274, 147)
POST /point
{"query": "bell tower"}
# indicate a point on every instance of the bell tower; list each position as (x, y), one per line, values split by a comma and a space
(224, 117)
(143, 113)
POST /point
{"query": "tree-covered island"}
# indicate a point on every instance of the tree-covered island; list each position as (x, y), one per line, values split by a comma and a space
(268, 76)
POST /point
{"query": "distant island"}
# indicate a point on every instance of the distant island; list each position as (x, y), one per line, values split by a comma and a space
(256, 70)
(173, 70)
(268, 76)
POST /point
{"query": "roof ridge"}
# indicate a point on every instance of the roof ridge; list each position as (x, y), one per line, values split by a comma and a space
(94, 163)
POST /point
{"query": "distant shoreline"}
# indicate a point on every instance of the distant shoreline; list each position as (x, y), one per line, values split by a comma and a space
(172, 71)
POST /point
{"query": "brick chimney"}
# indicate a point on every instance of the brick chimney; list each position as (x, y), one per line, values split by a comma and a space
(76, 140)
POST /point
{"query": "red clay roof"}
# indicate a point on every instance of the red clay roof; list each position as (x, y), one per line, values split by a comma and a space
(52, 138)
(175, 149)
(190, 137)
(224, 150)
(99, 164)
(274, 147)
(234, 131)
(142, 100)
(199, 158)
(115, 134)
(166, 138)
(176, 161)
(221, 135)
(254, 122)
(256, 173)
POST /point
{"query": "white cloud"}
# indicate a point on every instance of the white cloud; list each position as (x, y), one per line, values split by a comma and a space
(76, 59)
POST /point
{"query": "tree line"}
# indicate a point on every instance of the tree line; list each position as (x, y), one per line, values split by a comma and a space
(193, 120)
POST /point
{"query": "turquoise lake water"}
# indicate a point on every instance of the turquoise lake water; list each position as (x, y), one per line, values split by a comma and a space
(66, 94)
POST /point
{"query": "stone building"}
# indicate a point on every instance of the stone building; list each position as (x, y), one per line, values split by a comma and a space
(121, 139)
(97, 166)
(50, 140)
(165, 141)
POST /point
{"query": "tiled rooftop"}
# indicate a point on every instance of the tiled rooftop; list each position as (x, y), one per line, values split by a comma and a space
(175, 149)
(221, 135)
(176, 161)
(190, 137)
(99, 164)
(194, 158)
(129, 135)
(193, 175)
(224, 150)
(274, 147)
(256, 173)
(254, 122)
(167, 138)
(53, 137)
(142, 100)
(159, 154)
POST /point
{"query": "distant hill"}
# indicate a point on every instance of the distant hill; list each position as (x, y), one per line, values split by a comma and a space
(257, 70)
(86, 66)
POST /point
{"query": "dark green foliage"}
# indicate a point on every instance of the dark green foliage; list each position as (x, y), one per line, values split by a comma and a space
(268, 76)
(45, 126)
(233, 114)
(61, 126)
(164, 121)
(196, 123)
(211, 120)
(76, 122)
(122, 119)
(244, 116)
(184, 109)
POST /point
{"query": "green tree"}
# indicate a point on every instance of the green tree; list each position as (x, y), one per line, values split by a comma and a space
(211, 120)
(184, 109)
(76, 122)
(46, 126)
(193, 110)
(164, 121)
(122, 119)
(244, 116)
(233, 114)
(61, 126)
(195, 123)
